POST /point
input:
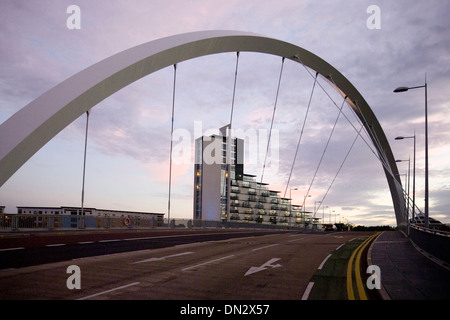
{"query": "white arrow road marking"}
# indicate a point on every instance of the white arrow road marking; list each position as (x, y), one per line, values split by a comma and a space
(264, 266)
(163, 258)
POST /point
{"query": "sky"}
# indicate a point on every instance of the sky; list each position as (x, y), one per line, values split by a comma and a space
(127, 168)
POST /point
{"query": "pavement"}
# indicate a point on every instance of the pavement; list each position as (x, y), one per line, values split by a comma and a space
(406, 273)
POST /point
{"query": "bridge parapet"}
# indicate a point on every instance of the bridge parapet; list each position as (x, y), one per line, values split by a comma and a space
(433, 241)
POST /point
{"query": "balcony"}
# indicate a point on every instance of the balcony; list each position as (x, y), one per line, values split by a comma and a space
(245, 204)
(259, 205)
(234, 211)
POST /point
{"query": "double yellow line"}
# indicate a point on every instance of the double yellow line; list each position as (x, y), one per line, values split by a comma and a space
(359, 283)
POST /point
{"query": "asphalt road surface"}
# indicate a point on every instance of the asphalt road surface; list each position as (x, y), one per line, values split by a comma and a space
(274, 266)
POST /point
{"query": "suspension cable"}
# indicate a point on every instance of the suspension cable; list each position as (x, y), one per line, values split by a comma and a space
(273, 116)
(339, 170)
(345, 116)
(234, 87)
(301, 133)
(171, 142)
(326, 147)
(84, 164)
(380, 155)
(227, 186)
(377, 155)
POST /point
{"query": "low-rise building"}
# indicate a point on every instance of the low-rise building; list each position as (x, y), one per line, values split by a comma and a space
(73, 217)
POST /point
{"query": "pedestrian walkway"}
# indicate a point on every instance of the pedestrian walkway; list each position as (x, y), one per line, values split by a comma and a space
(406, 274)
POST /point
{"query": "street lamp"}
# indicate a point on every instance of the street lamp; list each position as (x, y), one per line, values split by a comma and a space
(403, 89)
(414, 172)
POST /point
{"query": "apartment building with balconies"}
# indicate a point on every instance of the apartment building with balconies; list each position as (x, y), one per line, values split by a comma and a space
(223, 192)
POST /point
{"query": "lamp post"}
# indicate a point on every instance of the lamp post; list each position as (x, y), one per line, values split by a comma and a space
(414, 173)
(403, 89)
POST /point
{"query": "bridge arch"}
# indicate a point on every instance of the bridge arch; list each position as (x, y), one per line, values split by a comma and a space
(29, 129)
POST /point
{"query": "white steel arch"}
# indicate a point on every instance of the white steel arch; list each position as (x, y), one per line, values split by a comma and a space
(24, 133)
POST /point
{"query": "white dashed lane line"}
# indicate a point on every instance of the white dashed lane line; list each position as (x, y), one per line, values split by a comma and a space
(11, 249)
(110, 290)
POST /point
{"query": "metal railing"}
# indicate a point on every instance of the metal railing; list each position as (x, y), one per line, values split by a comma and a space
(435, 230)
(17, 222)
(433, 241)
(189, 223)
(20, 222)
